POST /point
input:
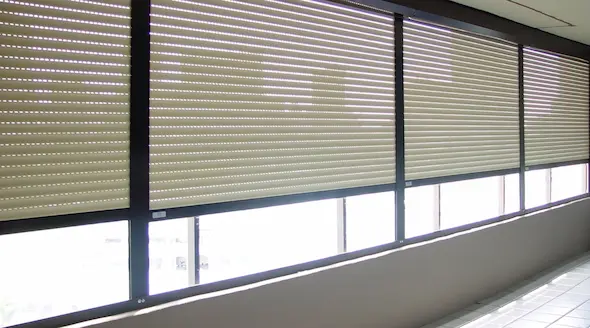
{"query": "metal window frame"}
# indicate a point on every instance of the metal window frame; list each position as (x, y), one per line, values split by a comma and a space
(341, 230)
(550, 178)
(139, 151)
(437, 222)
(521, 121)
(199, 210)
(400, 145)
(193, 244)
(139, 216)
(459, 177)
(502, 194)
(549, 183)
(586, 174)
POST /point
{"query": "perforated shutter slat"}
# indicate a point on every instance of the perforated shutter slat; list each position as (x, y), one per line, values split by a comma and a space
(461, 102)
(556, 108)
(64, 108)
(253, 99)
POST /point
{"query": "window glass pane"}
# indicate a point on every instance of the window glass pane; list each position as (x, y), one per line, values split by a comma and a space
(240, 243)
(511, 193)
(536, 188)
(370, 220)
(421, 210)
(54, 272)
(469, 201)
(568, 181)
(169, 255)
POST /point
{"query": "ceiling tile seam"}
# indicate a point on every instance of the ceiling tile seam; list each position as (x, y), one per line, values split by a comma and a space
(556, 26)
(568, 24)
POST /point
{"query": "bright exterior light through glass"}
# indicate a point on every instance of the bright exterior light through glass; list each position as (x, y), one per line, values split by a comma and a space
(537, 188)
(169, 255)
(235, 244)
(422, 215)
(469, 201)
(370, 220)
(52, 272)
(511, 193)
(568, 181)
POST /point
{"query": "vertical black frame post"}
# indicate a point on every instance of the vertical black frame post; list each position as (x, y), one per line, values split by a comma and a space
(139, 203)
(522, 171)
(400, 178)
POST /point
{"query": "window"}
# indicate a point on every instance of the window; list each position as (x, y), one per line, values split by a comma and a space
(54, 272)
(252, 102)
(469, 201)
(537, 190)
(370, 220)
(422, 210)
(511, 193)
(246, 242)
(240, 243)
(437, 207)
(555, 184)
(170, 255)
(568, 181)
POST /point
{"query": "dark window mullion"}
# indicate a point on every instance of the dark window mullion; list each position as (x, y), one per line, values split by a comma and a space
(521, 126)
(400, 181)
(139, 210)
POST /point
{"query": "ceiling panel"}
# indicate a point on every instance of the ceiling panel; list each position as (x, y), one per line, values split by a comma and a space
(512, 11)
(539, 13)
(573, 11)
(577, 33)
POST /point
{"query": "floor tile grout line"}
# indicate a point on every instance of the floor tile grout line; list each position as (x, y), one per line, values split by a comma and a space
(574, 267)
(572, 287)
(565, 268)
(562, 316)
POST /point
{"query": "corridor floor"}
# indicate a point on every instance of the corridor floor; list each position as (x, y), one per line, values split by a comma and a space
(558, 298)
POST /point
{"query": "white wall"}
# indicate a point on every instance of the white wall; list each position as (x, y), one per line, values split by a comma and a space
(405, 288)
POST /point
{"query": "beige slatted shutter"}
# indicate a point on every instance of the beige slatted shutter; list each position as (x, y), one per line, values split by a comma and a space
(556, 108)
(64, 107)
(254, 99)
(461, 102)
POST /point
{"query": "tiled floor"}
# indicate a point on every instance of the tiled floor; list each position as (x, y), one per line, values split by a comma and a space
(559, 298)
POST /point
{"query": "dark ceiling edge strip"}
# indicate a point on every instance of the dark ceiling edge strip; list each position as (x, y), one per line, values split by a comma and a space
(478, 21)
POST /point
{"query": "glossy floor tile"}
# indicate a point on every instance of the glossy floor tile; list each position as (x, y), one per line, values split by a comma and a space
(558, 298)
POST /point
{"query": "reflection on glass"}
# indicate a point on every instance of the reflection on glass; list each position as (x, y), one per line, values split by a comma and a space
(536, 188)
(568, 181)
(169, 255)
(370, 220)
(511, 193)
(53, 272)
(421, 210)
(469, 201)
(240, 243)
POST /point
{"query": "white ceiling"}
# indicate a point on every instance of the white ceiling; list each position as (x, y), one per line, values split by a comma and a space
(566, 18)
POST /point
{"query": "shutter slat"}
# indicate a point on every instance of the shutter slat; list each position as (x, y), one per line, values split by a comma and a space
(64, 107)
(254, 99)
(556, 108)
(461, 102)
